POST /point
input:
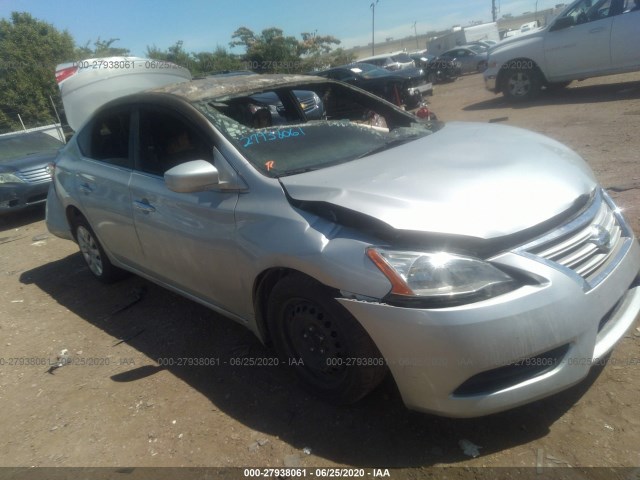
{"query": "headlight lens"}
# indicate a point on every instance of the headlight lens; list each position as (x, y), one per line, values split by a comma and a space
(440, 276)
(10, 178)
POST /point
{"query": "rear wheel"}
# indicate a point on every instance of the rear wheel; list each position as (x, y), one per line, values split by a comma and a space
(521, 84)
(93, 253)
(330, 352)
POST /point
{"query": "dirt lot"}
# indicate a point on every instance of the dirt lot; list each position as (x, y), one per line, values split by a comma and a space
(115, 406)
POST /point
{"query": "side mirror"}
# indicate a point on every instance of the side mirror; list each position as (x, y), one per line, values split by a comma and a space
(193, 176)
(562, 23)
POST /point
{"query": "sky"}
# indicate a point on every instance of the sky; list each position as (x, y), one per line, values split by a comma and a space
(204, 25)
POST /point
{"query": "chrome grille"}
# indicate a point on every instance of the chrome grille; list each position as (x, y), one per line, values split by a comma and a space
(589, 245)
(308, 103)
(35, 175)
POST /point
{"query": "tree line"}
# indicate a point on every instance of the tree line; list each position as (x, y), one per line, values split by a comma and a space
(30, 49)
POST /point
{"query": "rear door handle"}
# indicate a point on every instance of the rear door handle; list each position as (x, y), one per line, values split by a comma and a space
(144, 206)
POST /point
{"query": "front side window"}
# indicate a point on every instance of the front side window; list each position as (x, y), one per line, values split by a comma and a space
(167, 140)
(590, 10)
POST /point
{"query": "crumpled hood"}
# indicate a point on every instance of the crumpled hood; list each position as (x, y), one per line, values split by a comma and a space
(478, 180)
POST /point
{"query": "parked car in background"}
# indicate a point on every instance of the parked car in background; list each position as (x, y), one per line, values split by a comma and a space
(481, 265)
(486, 43)
(402, 87)
(468, 59)
(436, 70)
(476, 47)
(267, 109)
(390, 61)
(587, 39)
(24, 174)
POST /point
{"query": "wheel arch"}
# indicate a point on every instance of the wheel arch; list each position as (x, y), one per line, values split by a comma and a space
(73, 213)
(505, 68)
(262, 288)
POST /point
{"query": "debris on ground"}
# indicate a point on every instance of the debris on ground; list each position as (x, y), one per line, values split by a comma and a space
(469, 448)
(138, 294)
(61, 360)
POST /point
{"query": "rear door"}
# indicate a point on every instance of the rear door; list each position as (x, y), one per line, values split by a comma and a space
(188, 239)
(625, 38)
(102, 182)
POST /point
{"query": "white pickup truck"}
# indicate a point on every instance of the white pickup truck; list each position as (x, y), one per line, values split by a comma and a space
(588, 39)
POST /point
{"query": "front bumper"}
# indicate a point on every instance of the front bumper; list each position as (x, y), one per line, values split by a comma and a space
(491, 79)
(424, 89)
(18, 196)
(489, 356)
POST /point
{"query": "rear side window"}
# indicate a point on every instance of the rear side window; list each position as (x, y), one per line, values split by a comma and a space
(106, 138)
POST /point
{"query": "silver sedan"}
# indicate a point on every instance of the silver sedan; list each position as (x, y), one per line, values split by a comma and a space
(469, 60)
(481, 265)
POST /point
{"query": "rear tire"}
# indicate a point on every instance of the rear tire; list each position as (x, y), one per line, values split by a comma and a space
(330, 352)
(93, 253)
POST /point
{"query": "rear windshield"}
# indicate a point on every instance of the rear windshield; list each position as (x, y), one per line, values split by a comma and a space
(402, 58)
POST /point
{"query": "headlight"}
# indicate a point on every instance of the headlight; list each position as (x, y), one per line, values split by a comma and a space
(440, 276)
(10, 178)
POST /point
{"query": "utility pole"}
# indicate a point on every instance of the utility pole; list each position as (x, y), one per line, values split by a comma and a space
(494, 12)
(373, 26)
(415, 30)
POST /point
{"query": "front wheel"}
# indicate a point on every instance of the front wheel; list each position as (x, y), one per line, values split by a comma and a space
(330, 352)
(521, 84)
(93, 253)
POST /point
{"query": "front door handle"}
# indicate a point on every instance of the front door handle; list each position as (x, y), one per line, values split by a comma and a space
(144, 206)
(596, 30)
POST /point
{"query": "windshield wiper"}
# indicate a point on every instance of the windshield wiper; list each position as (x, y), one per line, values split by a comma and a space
(298, 170)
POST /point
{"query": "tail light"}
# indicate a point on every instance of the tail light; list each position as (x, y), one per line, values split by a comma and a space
(423, 112)
(65, 73)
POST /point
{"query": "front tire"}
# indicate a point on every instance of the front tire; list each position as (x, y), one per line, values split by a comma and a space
(520, 84)
(93, 253)
(330, 352)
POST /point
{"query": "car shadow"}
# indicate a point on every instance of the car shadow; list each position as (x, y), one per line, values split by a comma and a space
(21, 218)
(376, 432)
(574, 94)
